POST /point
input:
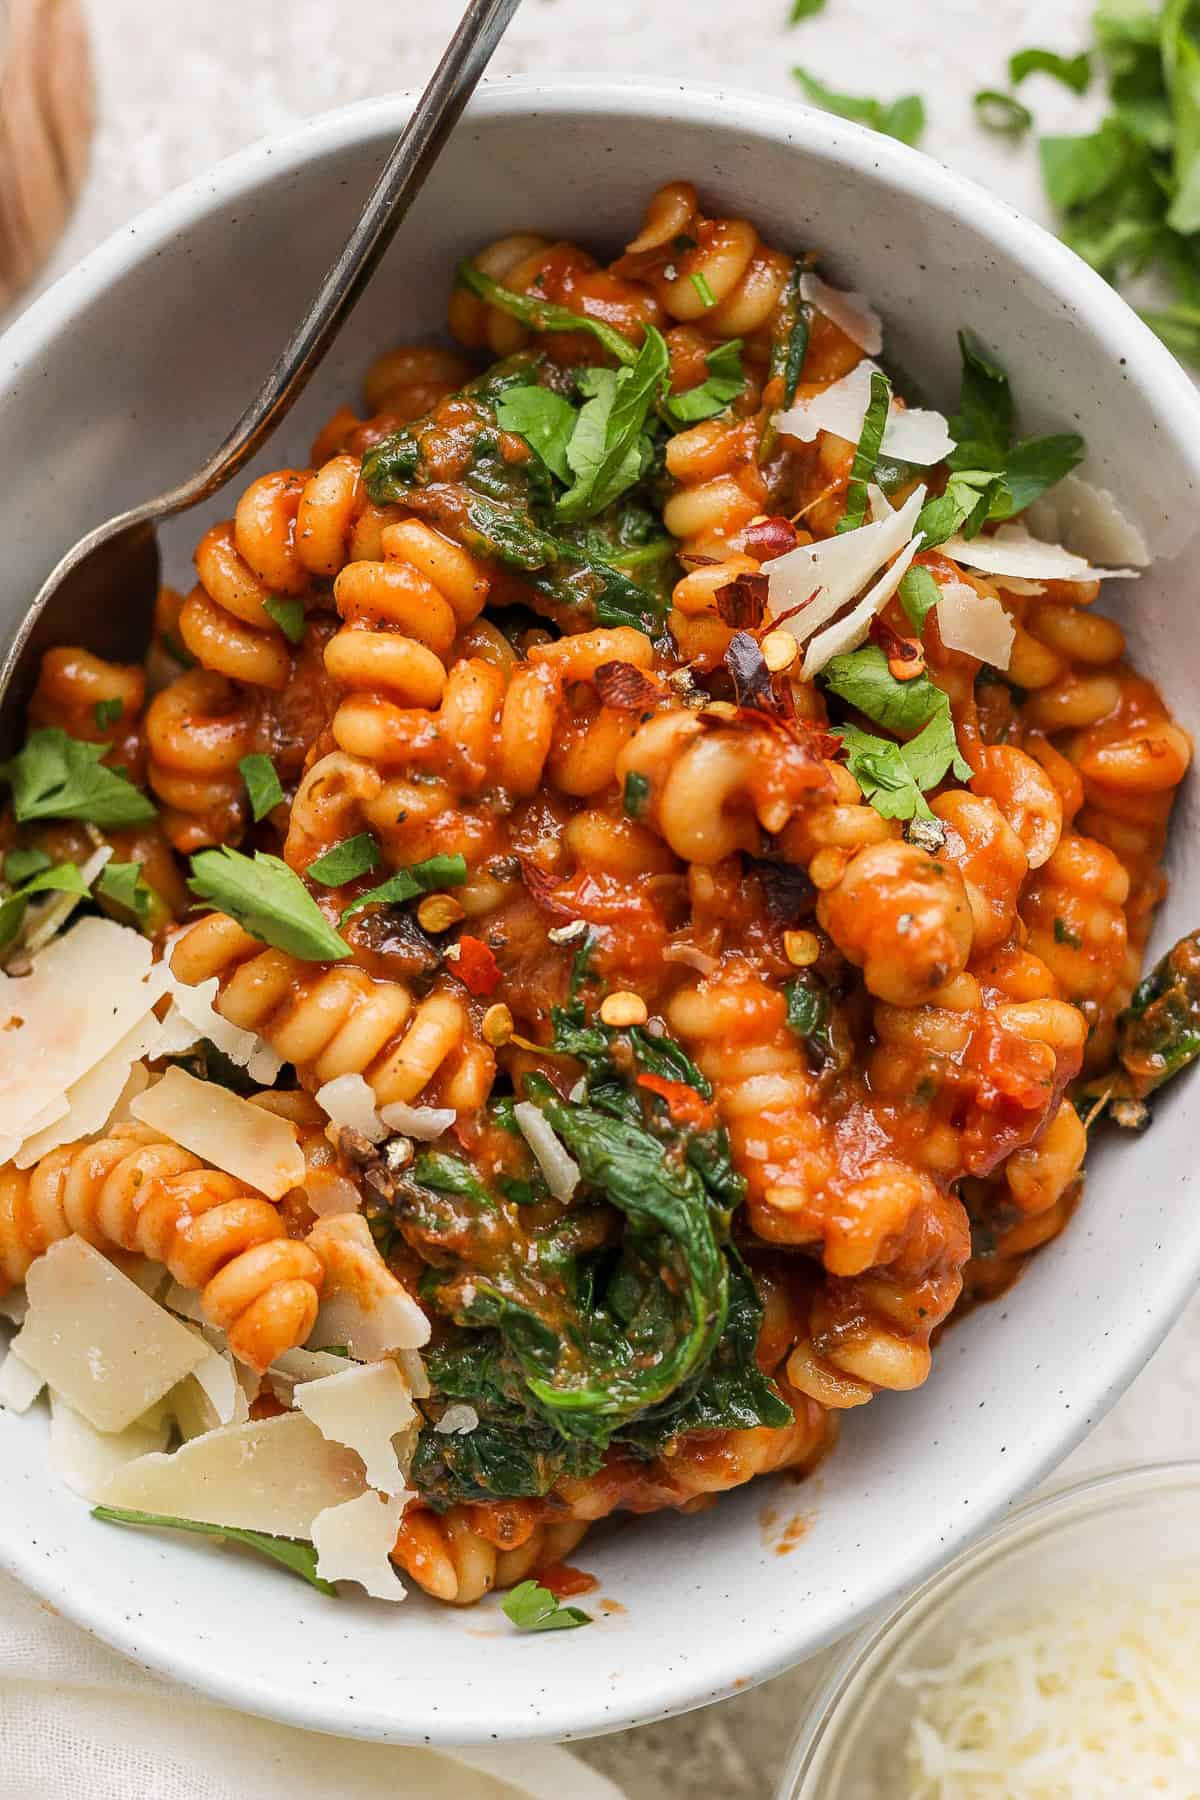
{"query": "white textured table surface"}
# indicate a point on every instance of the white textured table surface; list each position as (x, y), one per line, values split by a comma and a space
(183, 84)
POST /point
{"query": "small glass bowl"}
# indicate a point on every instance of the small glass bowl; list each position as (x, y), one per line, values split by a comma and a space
(1132, 1524)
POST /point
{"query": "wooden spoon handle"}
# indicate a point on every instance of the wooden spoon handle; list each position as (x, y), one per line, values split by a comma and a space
(46, 118)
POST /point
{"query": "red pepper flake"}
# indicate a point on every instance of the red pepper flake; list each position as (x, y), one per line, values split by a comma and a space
(476, 966)
(752, 684)
(625, 688)
(684, 1104)
(742, 602)
(905, 655)
(768, 538)
(561, 1580)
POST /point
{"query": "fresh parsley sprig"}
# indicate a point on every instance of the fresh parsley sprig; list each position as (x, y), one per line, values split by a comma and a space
(268, 900)
(263, 787)
(903, 119)
(426, 877)
(65, 878)
(55, 776)
(535, 1608)
(896, 777)
(291, 1553)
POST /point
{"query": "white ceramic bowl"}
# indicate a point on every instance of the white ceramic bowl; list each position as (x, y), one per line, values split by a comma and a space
(115, 385)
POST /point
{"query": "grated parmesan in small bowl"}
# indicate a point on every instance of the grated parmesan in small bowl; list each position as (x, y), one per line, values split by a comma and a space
(1058, 1659)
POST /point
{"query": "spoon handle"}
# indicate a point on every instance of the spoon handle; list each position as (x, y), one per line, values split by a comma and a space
(400, 180)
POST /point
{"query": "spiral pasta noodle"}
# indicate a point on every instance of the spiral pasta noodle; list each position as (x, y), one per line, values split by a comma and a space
(138, 1191)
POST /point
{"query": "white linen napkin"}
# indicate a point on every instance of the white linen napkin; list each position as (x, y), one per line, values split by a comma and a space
(76, 1718)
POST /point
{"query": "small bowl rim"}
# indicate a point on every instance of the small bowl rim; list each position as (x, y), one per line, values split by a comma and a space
(1038, 1517)
(862, 155)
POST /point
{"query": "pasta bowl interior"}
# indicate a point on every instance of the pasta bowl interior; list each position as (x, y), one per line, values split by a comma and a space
(120, 380)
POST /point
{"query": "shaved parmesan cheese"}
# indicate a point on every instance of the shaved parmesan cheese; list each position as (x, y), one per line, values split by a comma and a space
(19, 1384)
(47, 917)
(1090, 521)
(850, 312)
(86, 1459)
(457, 1420)
(975, 623)
(350, 1102)
(849, 632)
(1094, 1694)
(366, 1407)
(830, 574)
(1013, 550)
(93, 1099)
(421, 1122)
(86, 992)
(413, 1371)
(1012, 584)
(216, 1378)
(561, 1171)
(98, 1340)
(193, 1016)
(267, 1475)
(362, 1304)
(301, 1365)
(245, 1140)
(354, 1542)
(910, 434)
(185, 1302)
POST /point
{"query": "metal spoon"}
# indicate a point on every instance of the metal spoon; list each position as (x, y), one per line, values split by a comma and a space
(102, 592)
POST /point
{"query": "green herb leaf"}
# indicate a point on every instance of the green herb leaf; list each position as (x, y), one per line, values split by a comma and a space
(606, 452)
(867, 454)
(1074, 72)
(726, 380)
(805, 9)
(59, 777)
(983, 425)
(542, 315)
(290, 1553)
(789, 336)
(919, 594)
(534, 1608)
(288, 615)
(1033, 466)
(107, 712)
(65, 878)
(123, 883)
(545, 420)
(894, 777)
(1076, 169)
(808, 1011)
(20, 864)
(863, 680)
(427, 877)
(700, 282)
(903, 118)
(262, 784)
(1001, 113)
(636, 793)
(268, 900)
(346, 861)
(992, 478)
(965, 506)
(1181, 66)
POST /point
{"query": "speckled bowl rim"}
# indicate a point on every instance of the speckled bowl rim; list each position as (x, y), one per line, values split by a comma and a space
(859, 154)
(1038, 1519)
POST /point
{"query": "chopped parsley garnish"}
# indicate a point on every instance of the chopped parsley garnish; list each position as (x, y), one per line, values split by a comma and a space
(268, 900)
(55, 776)
(545, 420)
(422, 878)
(918, 593)
(288, 615)
(1064, 935)
(700, 282)
(262, 784)
(534, 1608)
(124, 884)
(64, 878)
(290, 1553)
(107, 712)
(636, 794)
(903, 119)
(1074, 72)
(346, 861)
(726, 379)
(1002, 113)
(805, 9)
(895, 777)
(609, 450)
(863, 680)
(20, 864)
